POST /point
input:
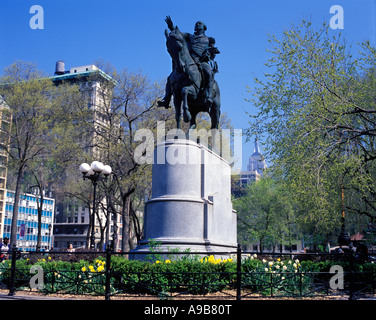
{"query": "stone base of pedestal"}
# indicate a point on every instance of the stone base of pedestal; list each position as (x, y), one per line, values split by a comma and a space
(191, 207)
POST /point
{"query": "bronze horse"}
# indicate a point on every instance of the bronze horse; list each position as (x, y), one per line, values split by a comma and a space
(186, 83)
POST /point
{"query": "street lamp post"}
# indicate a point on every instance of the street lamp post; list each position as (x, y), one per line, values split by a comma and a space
(93, 172)
(49, 244)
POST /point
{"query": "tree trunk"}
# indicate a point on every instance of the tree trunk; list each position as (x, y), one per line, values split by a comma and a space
(111, 210)
(108, 224)
(40, 211)
(126, 224)
(13, 235)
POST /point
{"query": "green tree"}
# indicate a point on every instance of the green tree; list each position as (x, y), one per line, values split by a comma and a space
(24, 93)
(265, 214)
(44, 120)
(316, 107)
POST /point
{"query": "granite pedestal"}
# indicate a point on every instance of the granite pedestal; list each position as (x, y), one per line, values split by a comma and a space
(191, 204)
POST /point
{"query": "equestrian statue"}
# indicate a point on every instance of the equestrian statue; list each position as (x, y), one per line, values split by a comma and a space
(191, 82)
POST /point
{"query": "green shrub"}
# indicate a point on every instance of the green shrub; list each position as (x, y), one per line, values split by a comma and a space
(190, 274)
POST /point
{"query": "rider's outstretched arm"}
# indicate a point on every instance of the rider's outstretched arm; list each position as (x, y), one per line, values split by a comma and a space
(169, 23)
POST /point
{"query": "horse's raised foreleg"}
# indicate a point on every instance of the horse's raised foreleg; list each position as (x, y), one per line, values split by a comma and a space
(186, 114)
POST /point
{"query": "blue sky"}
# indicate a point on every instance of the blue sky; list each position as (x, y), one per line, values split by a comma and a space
(130, 34)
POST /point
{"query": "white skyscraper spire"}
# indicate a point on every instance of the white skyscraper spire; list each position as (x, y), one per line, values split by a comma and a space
(257, 148)
(255, 168)
(256, 160)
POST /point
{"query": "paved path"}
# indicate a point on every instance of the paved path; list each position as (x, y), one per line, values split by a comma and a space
(28, 297)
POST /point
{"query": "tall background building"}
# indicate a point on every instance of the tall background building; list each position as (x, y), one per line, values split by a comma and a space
(256, 160)
(255, 168)
(5, 125)
(72, 220)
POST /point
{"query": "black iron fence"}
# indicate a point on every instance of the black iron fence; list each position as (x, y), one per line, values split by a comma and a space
(230, 275)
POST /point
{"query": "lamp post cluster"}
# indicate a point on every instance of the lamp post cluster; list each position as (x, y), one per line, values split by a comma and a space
(93, 172)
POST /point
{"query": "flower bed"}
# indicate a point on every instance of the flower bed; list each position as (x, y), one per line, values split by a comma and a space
(189, 274)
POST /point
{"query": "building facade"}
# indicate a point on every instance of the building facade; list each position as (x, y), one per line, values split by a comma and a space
(71, 225)
(5, 127)
(27, 223)
(72, 221)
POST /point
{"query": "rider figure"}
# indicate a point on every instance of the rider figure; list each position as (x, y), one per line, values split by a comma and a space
(202, 50)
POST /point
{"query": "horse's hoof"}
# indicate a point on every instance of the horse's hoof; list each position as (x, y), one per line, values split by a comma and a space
(186, 116)
(163, 104)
